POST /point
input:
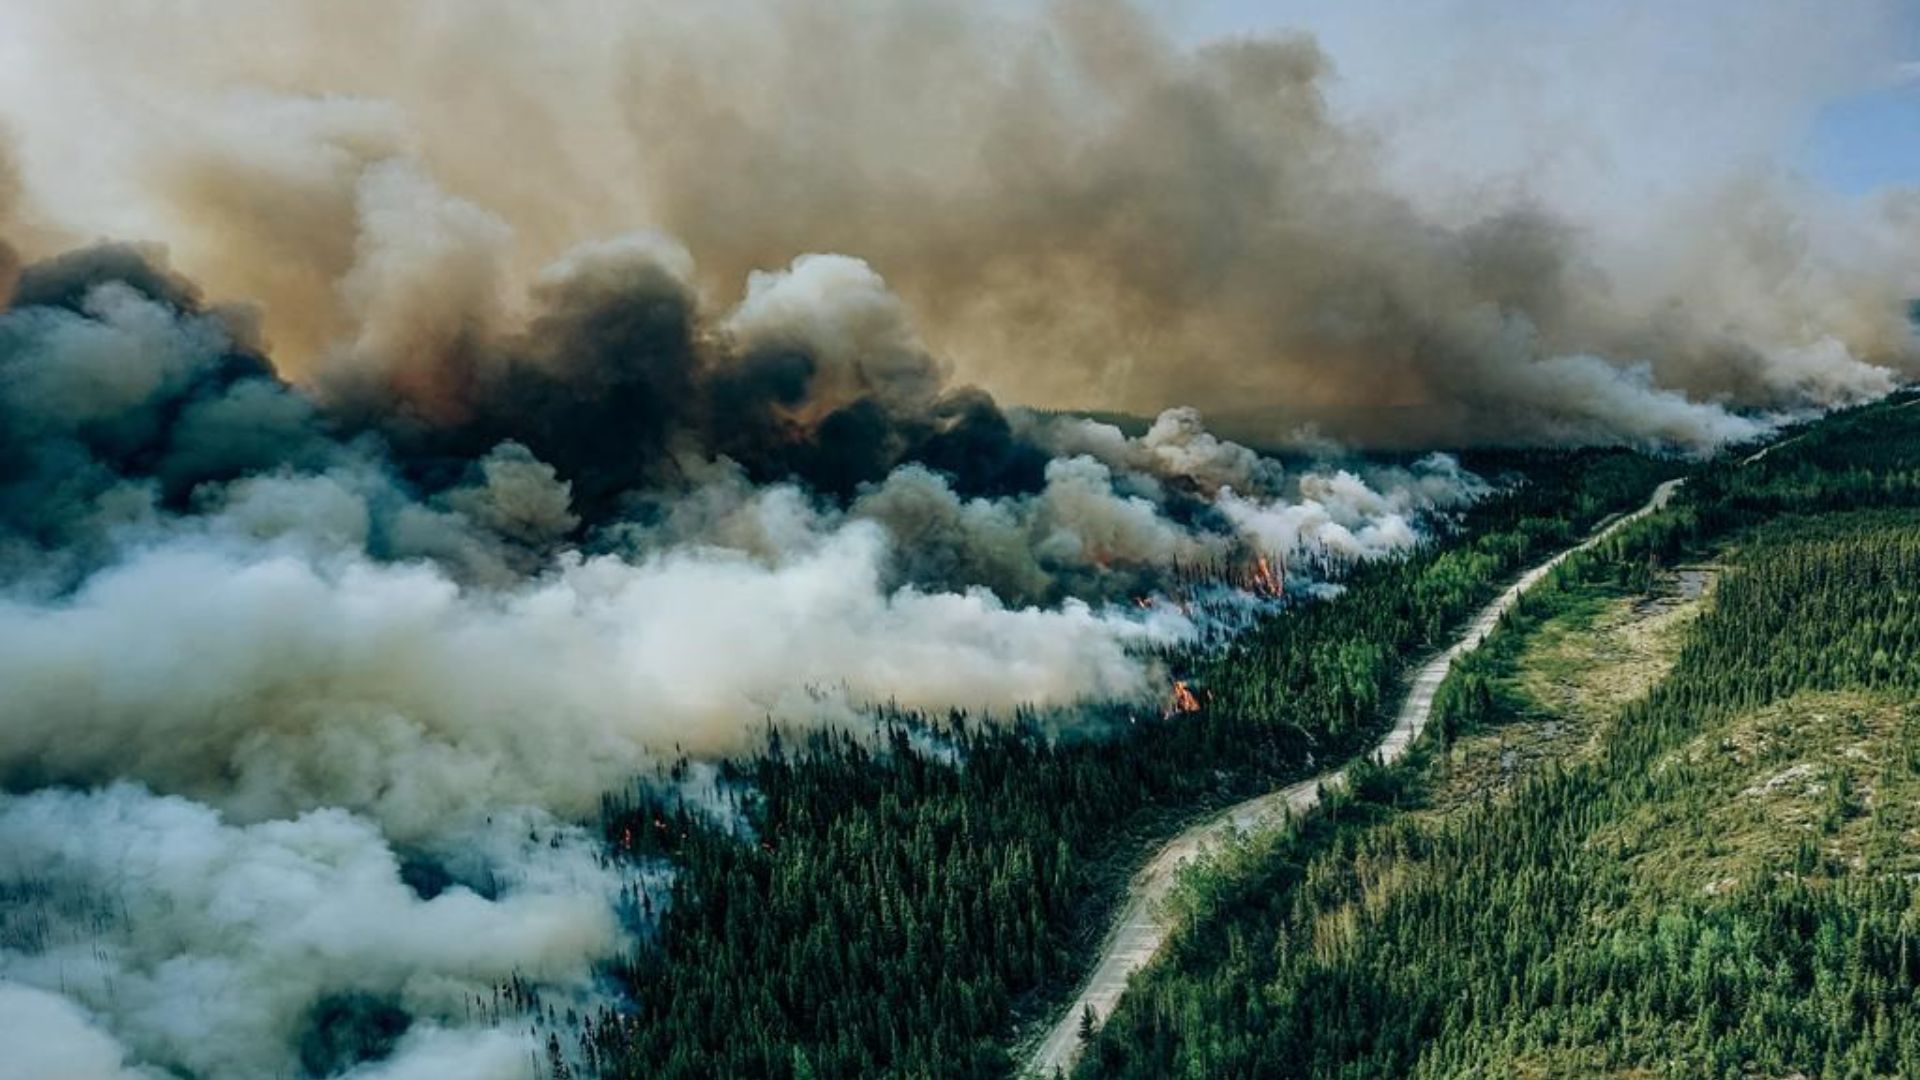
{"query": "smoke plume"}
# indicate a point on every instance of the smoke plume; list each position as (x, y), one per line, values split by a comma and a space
(217, 950)
(270, 646)
(1080, 209)
(375, 503)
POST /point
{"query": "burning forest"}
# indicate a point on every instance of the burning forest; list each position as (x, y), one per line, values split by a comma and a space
(324, 634)
(408, 472)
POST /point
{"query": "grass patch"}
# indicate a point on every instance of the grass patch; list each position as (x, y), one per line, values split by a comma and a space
(1559, 672)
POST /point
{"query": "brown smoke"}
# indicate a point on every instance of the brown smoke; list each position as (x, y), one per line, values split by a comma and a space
(9, 197)
(615, 385)
(1078, 210)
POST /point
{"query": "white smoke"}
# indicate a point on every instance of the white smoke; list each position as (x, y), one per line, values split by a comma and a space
(206, 947)
(1106, 522)
(233, 703)
(49, 1037)
(1177, 445)
(840, 311)
(436, 1054)
(289, 682)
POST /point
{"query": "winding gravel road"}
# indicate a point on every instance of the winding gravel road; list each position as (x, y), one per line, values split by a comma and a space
(1140, 929)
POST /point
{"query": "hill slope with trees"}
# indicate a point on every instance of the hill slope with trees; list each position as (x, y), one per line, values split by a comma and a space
(902, 906)
(1714, 876)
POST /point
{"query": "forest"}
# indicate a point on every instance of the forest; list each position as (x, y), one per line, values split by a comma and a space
(1722, 884)
(909, 904)
(939, 540)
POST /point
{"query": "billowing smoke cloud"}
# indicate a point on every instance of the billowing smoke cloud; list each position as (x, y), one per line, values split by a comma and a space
(357, 639)
(353, 542)
(1079, 208)
(293, 682)
(270, 650)
(49, 1037)
(217, 950)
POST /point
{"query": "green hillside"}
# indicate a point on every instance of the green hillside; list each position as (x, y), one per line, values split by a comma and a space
(1668, 823)
(912, 906)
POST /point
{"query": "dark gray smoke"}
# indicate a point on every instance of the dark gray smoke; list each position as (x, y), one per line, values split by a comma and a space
(356, 540)
(816, 377)
(268, 647)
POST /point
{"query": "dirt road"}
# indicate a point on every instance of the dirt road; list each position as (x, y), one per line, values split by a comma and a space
(1139, 931)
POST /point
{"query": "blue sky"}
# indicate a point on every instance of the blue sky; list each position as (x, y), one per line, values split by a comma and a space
(1854, 127)
(1867, 141)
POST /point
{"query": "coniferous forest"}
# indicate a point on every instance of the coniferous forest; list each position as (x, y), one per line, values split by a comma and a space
(912, 904)
(1723, 886)
(939, 540)
(903, 906)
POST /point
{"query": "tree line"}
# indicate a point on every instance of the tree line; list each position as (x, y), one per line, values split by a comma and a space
(899, 903)
(1534, 934)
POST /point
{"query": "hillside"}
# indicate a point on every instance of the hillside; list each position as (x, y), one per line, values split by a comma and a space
(908, 908)
(1668, 826)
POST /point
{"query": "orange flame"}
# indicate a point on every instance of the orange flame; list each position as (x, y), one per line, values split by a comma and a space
(1265, 580)
(1183, 700)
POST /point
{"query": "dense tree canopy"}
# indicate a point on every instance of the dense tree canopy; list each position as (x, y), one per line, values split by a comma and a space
(897, 905)
(1543, 933)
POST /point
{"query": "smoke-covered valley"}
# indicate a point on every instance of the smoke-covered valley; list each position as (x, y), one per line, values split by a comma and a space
(263, 643)
(477, 408)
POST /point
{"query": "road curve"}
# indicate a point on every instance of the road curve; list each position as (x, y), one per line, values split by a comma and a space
(1139, 930)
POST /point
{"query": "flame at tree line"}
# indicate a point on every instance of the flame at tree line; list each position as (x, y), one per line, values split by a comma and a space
(477, 616)
(369, 511)
(1182, 700)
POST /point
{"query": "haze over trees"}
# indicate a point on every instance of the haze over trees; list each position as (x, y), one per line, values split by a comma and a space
(897, 908)
(687, 540)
